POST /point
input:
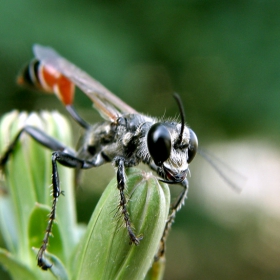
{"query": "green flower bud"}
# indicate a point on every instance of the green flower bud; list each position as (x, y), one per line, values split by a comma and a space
(106, 252)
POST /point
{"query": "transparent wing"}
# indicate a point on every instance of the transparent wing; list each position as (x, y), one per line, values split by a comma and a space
(233, 178)
(108, 104)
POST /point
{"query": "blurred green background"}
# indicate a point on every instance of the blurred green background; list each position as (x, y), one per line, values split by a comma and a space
(223, 57)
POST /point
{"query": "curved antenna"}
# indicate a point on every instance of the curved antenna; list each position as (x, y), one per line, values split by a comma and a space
(182, 114)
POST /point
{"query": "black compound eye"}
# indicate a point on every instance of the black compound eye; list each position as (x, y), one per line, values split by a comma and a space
(159, 143)
(193, 146)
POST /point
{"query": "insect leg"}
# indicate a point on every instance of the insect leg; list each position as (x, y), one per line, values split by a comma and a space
(65, 157)
(56, 193)
(38, 135)
(123, 202)
(174, 209)
(74, 114)
(68, 160)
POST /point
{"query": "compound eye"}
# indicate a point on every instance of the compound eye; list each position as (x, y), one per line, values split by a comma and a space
(159, 143)
(193, 146)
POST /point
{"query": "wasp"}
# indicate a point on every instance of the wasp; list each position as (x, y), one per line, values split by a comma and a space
(125, 137)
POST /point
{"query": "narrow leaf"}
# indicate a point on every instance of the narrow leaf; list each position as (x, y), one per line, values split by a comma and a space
(16, 269)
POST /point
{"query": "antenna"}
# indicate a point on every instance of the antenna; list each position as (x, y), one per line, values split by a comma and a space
(182, 114)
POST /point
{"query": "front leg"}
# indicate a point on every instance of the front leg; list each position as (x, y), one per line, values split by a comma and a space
(123, 202)
(173, 210)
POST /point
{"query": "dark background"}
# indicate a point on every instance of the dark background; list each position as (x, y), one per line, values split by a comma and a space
(223, 57)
